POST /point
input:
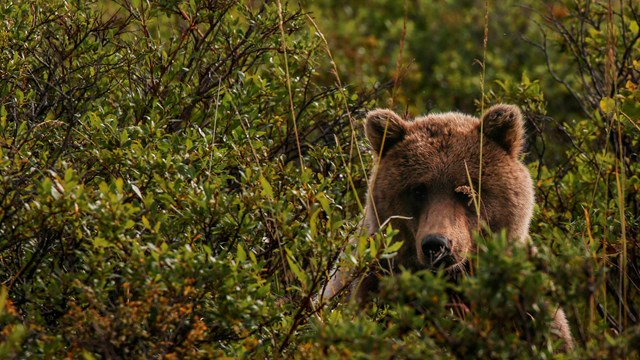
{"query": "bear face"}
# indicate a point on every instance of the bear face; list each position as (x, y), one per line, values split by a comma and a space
(426, 182)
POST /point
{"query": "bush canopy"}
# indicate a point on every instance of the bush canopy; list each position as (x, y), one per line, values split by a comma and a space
(178, 178)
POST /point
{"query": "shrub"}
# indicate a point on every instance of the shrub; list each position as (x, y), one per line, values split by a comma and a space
(178, 179)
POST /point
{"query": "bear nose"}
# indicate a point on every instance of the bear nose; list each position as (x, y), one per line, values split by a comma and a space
(434, 245)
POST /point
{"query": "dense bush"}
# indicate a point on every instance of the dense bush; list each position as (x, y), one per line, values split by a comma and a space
(178, 178)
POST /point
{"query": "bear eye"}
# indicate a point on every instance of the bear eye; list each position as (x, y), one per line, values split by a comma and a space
(419, 193)
(465, 194)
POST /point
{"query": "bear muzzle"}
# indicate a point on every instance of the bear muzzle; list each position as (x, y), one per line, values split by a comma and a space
(436, 251)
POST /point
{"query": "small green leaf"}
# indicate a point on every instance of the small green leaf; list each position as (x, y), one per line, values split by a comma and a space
(119, 184)
(254, 259)
(19, 96)
(4, 295)
(373, 247)
(68, 176)
(145, 223)
(324, 202)
(394, 247)
(313, 223)
(129, 224)
(207, 250)
(302, 277)
(3, 116)
(124, 137)
(608, 105)
(100, 242)
(104, 188)
(86, 355)
(149, 200)
(46, 186)
(267, 190)
(362, 245)
(241, 255)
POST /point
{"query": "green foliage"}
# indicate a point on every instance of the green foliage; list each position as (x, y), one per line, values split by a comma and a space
(178, 179)
(150, 206)
(435, 53)
(510, 305)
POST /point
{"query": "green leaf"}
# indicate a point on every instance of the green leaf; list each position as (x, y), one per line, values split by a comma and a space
(119, 184)
(145, 223)
(394, 247)
(373, 247)
(124, 137)
(267, 190)
(19, 96)
(207, 250)
(362, 245)
(241, 255)
(324, 202)
(302, 277)
(4, 294)
(100, 242)
(46, 186)
(3, 116)
(104, 187)
(87, 355)
(129, 224)
(608, 105)
(68, 175)
(313, 223)
(254, 259)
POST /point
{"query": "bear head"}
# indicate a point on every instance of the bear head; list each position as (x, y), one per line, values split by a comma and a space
(426, 182)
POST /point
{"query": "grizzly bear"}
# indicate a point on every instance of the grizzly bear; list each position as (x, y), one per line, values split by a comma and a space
(421, 185)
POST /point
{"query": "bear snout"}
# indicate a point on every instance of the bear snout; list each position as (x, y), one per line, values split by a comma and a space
(436, 250)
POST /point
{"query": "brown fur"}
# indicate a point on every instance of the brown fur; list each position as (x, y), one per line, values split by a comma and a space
(421, 185)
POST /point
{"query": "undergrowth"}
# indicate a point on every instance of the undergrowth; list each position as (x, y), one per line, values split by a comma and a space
(179, 178)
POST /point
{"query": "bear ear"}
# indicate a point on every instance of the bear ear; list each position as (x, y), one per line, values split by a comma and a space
(384, 128)
(503, 124)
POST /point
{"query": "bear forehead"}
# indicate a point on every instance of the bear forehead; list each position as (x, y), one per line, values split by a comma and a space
(443, 125)
(447, 138)
(442, 148)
